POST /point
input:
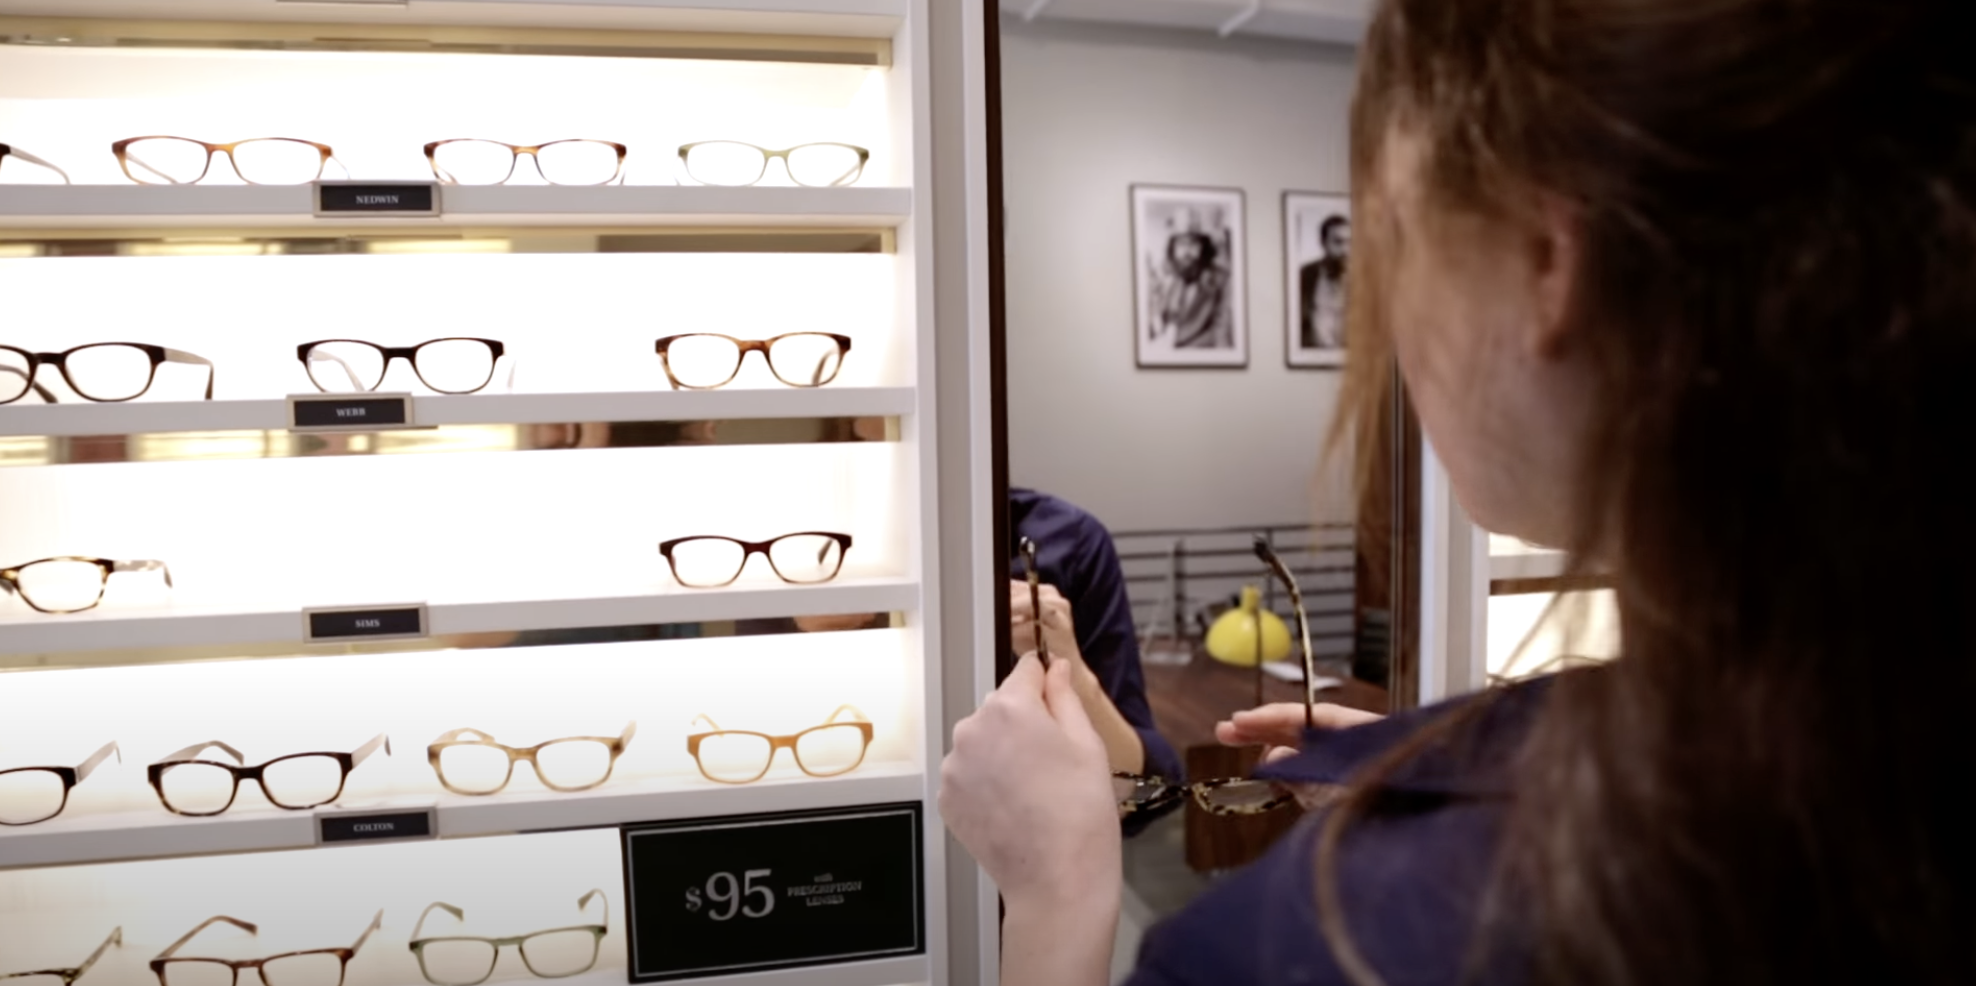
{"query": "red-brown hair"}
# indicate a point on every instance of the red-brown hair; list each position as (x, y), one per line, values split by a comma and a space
(1776, 202)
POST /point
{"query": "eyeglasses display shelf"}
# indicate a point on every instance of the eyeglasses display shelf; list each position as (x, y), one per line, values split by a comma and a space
(168, 206)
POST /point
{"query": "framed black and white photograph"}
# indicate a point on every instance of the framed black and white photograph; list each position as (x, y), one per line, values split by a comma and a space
(1317, 240)
(1189, 276)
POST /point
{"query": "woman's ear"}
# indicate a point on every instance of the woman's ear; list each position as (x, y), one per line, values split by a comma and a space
(1554, 259)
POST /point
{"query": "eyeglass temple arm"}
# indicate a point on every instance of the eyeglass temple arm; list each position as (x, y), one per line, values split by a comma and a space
(458, 915)
(469, 734)
(38, 388)
(181, 356)
(363, 752)
(630, 730)
(197, 748)
(116, 938)
(89, 766)
(377, 921)
(703, 717)
(584, 902)
(1283, 575)
(1035, 598)
(146, 565)
(249, 927)
(316, 355)
(169, 180)
(43, 162)
(852, 709)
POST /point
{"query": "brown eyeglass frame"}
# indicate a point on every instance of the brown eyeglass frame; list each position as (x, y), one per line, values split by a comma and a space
(432, 151)
(459, 737)
(1035, 580)
(69, 976)
(1200, 790)
(745, 346)
(10, 578)
(122, 150)
(753, 548)
(70, 777)
(165, 957)
(776, 743)
(155, 773)
(410, 354)
(60, 361)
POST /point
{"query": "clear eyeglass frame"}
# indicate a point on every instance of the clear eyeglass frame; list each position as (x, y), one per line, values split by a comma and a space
(773, 743)
(420, 943)
(467, 737)
(518, 151)
(158, 774)
(14, 583)
(200, 970)
(66, 777)
(62, 977)
(702, 175)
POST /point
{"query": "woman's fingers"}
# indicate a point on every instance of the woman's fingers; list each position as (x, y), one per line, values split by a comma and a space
(1282, 723)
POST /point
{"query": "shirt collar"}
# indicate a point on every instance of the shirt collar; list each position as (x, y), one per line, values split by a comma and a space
(1473, 762)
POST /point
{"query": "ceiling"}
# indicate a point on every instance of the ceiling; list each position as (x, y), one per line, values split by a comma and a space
(1329, 21)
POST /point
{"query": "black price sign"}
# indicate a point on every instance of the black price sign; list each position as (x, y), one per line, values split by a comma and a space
(371, 826)
(396, 198)
(715, 897)
(363, 623)
(345, 412)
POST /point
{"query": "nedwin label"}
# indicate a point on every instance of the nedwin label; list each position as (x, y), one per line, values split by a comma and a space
(392, 198)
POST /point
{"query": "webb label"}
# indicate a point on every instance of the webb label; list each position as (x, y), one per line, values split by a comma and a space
(722, 896)
(349, 413)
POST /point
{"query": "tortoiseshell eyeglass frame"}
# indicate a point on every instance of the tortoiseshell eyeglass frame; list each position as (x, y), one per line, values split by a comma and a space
(1035, 598)
(752, 548)
(69, 778)
(1165, 791)
(343, 955)
(409, 354)
(69, 976)
(122, 150)
(742, 347)
(518, 150)
(788, 742)
(10, 578)
(60, 361)
(155, 773)
(524, 754)
(597, 932)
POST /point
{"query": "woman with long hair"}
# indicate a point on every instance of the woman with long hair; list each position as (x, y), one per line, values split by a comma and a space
(1688, 288)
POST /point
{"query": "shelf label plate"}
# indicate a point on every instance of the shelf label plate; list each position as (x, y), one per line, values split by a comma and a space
(346, 623)
(377, 198)
(349, 412)
(721, 896)
(396, 824)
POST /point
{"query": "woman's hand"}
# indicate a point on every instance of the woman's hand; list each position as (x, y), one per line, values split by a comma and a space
(1027, 789)
(1059, 628)
(1279, 727)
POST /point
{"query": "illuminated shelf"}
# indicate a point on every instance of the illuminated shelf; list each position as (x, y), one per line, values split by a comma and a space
(24, 633)
(841, 18)
(288, 206)
(652, 405)
(155, 834)
(1510, 558)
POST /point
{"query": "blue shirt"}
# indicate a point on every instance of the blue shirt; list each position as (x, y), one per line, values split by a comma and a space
(1074, 553)
(1411, 872)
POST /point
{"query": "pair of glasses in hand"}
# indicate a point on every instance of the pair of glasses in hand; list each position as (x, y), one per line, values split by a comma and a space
(705, 360)
(202, 788)
(449, 366)
(734, 756)
(69, 583)
(184, 161)
(109, 372)
(710, 562)
(463, 960)
(1229, 795)
(37, 794)
(62, 977)
(469, 761)
(312, 967)
(558, 162)
(730, 162)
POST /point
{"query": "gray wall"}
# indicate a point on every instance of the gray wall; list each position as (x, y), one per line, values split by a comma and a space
(1088, 111)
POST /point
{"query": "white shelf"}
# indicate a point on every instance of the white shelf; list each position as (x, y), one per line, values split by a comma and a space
(155, 834)
(235, 206)
(845, 18)
(109, 628)
(654, 405)
(1510, 558)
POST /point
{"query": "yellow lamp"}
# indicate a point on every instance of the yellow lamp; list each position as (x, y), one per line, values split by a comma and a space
(1235, 638)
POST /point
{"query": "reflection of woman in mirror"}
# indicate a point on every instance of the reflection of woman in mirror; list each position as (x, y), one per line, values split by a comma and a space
(1321, 286)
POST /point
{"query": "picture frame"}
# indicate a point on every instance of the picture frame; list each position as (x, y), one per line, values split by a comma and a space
(1316, 249)
(1189, 277)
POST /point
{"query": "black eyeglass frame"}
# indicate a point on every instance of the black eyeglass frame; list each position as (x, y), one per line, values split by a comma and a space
(407, 353)
(241, 771)
(157, 354)
(752, 548)
(70, 777)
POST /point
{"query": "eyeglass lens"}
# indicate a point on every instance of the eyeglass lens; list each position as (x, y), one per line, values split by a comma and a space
(28, 795)
(449, 366)
(562, 162)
